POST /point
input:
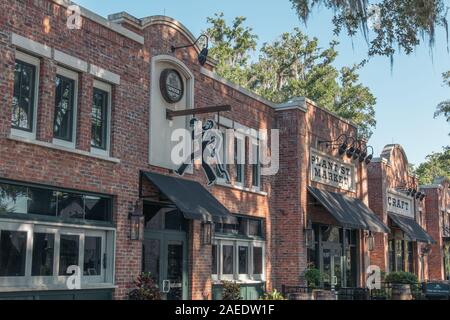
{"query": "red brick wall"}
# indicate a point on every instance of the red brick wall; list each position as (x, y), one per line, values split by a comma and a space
(103, 47)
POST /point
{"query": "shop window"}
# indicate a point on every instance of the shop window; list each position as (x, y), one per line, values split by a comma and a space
(399, 257)
(69, 252)
(92, 256)
(222, 154)
(227, 260)
(16, 199)
(64, 123)
(13, 252)
(174, 220)
(214, 266)
(243, 259)
(100, 118)
(250, 227)
(24, 103)
(43, 253)
(331, 234)
(410, 247)
(257, 260)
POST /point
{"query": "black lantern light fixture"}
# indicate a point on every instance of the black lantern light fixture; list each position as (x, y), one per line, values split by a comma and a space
(136, 218)
(422, 196)
(207, 233)
(203, 54)
(366, 157)
(370, 241)
(352, 147)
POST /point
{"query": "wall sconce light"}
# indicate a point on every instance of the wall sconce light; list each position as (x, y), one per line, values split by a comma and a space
(426, 250)
(364, 156)
(351, 147)
(309, 235)
(207, 233)
(136, 223)
(370, 241)
(203, 54)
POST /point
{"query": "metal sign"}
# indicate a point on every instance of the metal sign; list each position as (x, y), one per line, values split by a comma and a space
(332, 171)
(171, 85)
(399, 204)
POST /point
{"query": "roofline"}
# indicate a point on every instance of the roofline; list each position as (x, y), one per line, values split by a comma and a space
(86, 13)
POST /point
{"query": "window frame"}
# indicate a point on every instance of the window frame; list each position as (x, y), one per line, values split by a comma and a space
(249, 277)
(254, 142)
(239, 158)
(224, 150)
(106, 87)
(36, 62)
(72, 75)
(57, 281)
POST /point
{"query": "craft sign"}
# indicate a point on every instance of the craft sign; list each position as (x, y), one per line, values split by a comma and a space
(331, 171)
(399, 204)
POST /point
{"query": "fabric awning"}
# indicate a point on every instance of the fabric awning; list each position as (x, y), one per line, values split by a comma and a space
(191, 198)
(412, 229)
(350, 212)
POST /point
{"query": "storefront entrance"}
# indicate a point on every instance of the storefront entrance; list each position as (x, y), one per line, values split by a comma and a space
(165, 252)
(332, 265)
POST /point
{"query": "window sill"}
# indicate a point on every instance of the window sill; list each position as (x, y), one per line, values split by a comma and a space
(238, 187)
(219, 282)
(62, 148)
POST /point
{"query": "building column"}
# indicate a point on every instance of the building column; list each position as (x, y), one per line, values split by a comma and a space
(46, 100)
(200, 264)
(85, 96)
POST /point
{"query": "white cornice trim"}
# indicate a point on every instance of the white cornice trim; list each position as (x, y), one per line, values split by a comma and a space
(103, 21)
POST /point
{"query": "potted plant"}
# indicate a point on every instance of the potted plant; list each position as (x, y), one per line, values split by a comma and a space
(231, 290)
(403, 284)
(146, 288)
(273, 295)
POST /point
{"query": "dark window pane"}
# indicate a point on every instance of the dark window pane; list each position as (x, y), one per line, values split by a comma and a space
(43, 252)
(23, 98)
(238, 161)
(243, 260)
(42, 202)
(96, 208)
(391, 256)
(255, 228)
(410, 257)
(99, 119)
(227, 267)
(242, 223)
(214, 259)
(174, 220)
(70, 205)
(257, 260)
(69, 250)
(255, 166)
(92, 256)
(13, 199)
(399, 257)
(331, 234)
(13, 249)
(64, 103)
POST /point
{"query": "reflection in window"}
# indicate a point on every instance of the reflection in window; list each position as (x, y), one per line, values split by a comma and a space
(92, 256)
(99, 119)
(70, 205)
(214, 259)
(69, 251)
(43, 252)
(42, 202)
(257, 260)
(96, 208)
(243, 260)
(13, 245)
(64, 108)
(227, 267)
(23, 98)
(13, 199)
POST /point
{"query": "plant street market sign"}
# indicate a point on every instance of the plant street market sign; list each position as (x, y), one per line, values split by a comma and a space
(399, 204)
(331, 171)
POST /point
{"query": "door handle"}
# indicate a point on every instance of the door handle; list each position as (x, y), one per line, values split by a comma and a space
(335, 280)
(166, 286)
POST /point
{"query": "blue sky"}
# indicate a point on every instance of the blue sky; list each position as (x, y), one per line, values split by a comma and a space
(406, 96)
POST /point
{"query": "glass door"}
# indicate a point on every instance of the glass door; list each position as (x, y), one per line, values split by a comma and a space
(165, 257)
(331, 257)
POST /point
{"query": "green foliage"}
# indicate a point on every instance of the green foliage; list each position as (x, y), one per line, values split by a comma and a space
(397, 25)
(401, 277)
(231, 290)
(146, 288)
(443, 108)
(273, 295)
(293, 65)
(314, 277)
(436, 165)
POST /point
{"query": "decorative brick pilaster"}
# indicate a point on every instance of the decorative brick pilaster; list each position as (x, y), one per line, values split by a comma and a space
(6, 82)
(46, 101)
(85, 96)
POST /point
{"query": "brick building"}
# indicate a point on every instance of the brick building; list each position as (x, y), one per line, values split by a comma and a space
(87, 176)
(437, 217)
(395, 197)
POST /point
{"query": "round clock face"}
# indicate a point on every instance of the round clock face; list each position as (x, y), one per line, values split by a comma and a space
(171, 84)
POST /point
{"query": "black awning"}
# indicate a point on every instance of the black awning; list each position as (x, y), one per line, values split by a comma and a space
(191, 198)
(350, 212)
(412, 229)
